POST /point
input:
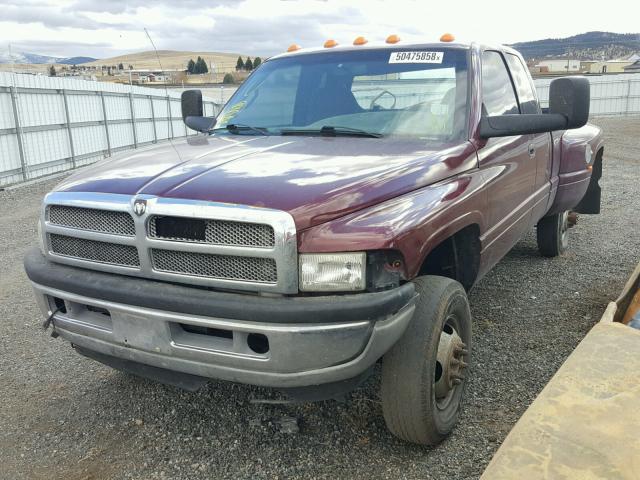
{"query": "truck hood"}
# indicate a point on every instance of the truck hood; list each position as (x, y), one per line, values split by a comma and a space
(315, 179)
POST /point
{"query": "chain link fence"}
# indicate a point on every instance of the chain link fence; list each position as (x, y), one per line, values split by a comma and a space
(50, 125)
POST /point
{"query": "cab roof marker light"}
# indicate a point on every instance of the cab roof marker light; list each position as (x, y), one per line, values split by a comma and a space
(393, 38)
(360, 41)
(447, 37)
(330, 43)
(293, 47)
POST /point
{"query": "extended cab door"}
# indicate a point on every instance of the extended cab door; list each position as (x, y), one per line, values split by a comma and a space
(540, 143)
(507, 164)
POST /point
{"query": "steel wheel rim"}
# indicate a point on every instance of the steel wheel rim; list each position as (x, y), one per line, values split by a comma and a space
(449, 375)
(564, 229)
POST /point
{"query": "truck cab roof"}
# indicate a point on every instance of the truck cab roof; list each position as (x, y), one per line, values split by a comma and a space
(378, 45)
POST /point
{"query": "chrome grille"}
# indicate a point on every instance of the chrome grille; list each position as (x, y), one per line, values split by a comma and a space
(202, 243)
(107, 221)
(103, 252)
(252, 269)
(222, 232)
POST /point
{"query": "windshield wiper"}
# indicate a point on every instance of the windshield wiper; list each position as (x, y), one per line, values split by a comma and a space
(331, 131)
(239, 127)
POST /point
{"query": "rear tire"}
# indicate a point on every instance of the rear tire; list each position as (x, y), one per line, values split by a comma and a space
(423, 374)
(552, 234)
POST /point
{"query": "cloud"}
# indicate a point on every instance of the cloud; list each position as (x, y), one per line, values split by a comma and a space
(104, 28)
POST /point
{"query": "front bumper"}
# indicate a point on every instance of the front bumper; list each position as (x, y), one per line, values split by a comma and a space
(271, 341)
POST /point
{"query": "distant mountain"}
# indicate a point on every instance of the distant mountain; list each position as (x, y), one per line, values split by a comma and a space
(23, 57)
(76, 60)
(585, 46)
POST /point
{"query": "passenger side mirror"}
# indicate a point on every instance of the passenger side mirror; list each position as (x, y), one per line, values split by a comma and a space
(193, 111)
(569, 100)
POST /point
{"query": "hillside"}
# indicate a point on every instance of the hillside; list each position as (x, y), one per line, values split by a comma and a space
(170, 59)
(585, 46)
(35, 59)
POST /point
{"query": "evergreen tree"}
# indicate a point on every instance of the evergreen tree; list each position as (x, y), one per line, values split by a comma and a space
(228, 79)
(239, 64)
(120, 66)
(256, 62)
(191, 66)
(52, 71)
(201, 65)
(248, 65)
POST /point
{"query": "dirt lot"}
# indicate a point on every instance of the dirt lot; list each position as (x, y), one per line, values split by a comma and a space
(63, 416)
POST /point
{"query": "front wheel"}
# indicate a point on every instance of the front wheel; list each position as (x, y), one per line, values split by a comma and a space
(424, 374)
(552, 234)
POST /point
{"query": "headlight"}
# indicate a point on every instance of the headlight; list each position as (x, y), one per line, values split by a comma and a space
(332, 272)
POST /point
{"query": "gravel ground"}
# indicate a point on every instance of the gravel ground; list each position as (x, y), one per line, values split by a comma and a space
(64, 416)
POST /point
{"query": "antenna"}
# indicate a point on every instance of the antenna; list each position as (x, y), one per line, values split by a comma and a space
(166, 91)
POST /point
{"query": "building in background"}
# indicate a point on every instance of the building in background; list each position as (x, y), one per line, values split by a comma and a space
(559, 65)
(633, 68)
(606, 66)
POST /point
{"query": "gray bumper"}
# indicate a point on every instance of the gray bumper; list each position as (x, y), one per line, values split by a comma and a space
(299, 353)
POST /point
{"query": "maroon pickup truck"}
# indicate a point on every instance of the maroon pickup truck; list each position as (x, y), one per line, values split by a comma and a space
(331, 217)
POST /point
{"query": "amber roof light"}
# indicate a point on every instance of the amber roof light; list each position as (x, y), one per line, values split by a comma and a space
(393, 38)
(293, 47)
(330, 43)
(360, 41)
(447, 37)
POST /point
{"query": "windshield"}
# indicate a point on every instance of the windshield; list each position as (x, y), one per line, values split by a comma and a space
(405, 92)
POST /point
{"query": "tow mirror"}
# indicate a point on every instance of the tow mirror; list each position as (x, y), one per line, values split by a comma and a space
(569, 99)
(193, 111)
(570, 96)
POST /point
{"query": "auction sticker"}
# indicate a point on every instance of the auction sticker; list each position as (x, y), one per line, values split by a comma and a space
(416, 57)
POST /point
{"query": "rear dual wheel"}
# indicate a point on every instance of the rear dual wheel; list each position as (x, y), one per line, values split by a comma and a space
(552, 234)
(424, 375)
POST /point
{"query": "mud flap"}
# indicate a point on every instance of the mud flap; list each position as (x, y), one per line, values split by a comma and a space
(590, 203)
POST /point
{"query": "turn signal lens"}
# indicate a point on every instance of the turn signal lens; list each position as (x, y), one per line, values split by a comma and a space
(330, 43)
(293, 47)
(447, 37)
(393, 38)
(360, 41)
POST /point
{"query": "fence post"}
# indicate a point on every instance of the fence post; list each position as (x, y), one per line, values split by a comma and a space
(169, 118)
(16, 119)
(106, 123)
(133, 121)
(153, 120)
(68, 121)
(627, 107)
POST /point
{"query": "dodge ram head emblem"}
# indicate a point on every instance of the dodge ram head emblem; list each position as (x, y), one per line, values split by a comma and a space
(140, 206)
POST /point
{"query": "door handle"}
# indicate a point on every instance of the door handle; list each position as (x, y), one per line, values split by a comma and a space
(532, 150)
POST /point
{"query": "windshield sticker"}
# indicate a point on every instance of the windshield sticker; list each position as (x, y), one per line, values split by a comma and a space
(232, 112)
(416, 57)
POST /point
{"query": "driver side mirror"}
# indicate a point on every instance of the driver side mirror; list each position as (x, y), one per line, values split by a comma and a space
(569, 99)
(193, 111)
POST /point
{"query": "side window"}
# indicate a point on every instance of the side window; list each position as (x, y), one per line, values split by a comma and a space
(526, 94)
(498, 97)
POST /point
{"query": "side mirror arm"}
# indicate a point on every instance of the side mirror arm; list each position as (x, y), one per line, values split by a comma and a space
(200, 124)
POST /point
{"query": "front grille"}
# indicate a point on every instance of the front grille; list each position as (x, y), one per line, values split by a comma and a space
(216, 232)
(103, 252)
(227, 267)
(107, 221)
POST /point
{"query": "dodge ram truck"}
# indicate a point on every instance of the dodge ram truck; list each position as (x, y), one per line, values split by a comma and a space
(330, 218)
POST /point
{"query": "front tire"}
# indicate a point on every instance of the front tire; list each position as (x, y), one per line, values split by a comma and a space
(552, 234)
(424, 374)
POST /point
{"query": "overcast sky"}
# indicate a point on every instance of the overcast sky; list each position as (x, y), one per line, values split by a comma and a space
(104, 28)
